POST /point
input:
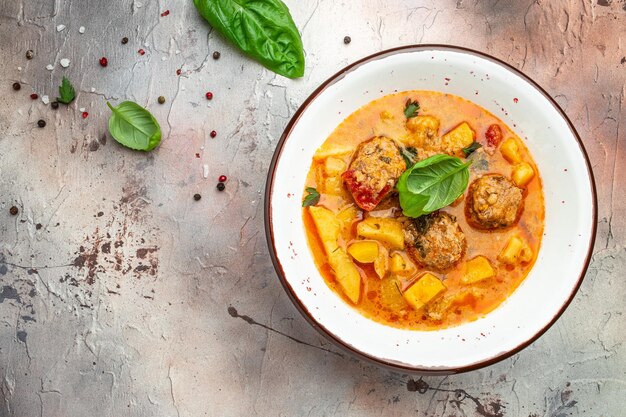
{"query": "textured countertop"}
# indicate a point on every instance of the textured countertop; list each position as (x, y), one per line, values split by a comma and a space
(120, 295)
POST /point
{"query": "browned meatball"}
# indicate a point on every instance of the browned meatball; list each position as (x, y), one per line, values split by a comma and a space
(435, 240)
(493, 202)
(376, 166)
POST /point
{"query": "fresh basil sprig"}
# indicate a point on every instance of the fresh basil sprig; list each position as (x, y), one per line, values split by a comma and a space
(411, 108)
(263, 29)
(473, 147)
(134, 127)
(66, 92)
(432, 184)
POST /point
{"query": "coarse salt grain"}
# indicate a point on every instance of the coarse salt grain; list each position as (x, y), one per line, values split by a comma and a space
(93, 89)
(49, 67)
(205, 171)
(19, 68)
(64, 62)
(81, 29)
(82, 109)
(60, 28)
(45, 99)
(163, 58)
(177, 51)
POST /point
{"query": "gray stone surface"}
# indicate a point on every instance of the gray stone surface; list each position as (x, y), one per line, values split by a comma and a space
(115, 285)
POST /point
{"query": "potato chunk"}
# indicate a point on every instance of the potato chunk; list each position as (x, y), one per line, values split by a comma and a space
(516, 250)
(334, 166)
(382, 229)
(346, 274)
(522, 174)
(477, 269)
(458, 138)
(423, 291)
(328, 227)
(364, 251)
(510, 151)
(400, 265)
(330, 149)
(424, 131)
(381, 263)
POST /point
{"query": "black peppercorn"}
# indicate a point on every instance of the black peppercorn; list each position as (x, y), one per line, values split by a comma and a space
(197, 197)
(124, 40)
(161, 99)
(54, 105)
(216, 55)
(347, 40)
(221, 186)
(41, 123)
(17, 86)
(29, 54)
(13, 210)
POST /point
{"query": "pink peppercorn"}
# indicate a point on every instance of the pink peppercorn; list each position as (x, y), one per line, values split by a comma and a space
(104, 62)
(165, 13)
(85, 114)
(141, 52)
(209, 95)
(178, 71)
(34, 96)
(222, 178)
(213, 133)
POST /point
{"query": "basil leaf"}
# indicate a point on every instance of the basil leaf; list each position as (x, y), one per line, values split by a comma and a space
(134, 127)
(471, 148)
(312, 199)
(262, 29)
(66, 92)
(411, 108)
(432, 184)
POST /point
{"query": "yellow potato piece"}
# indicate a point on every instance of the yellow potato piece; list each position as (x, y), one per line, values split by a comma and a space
(477, 269)
(510, 151)
(346, 274)
(381, 263)
(382, 229)
(390, 295)
(348, 215)
(460, 137)
(423, 291)
(516, 250)
(522, 174)
(334, 186)
(334, 166)
(399, 265)
(328, 227)
(364, 251)
(329, 149)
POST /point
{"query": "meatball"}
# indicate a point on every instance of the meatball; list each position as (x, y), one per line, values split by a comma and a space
(435, 240)
(376, 166)
(493, 202)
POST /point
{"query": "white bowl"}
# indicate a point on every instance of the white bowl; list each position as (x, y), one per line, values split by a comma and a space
(570, 199)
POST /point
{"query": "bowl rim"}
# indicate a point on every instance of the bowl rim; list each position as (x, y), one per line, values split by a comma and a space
(269, 231)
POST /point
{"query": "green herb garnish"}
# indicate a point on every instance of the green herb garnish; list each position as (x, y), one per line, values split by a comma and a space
(409, 155)
(134, 127)
(468, 150)
(262, 29)
(66, 92)
(411, 108)
(432, 184)
(312, 199)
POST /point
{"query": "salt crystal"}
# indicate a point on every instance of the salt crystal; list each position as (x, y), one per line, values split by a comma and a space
(45, 99)
(93, 89)
(20, 112)
(60, 28)
(81, 29)
(49, 67)
(205, 171)
(82, 109)
(19, 68)
(64, 62)
(177, 51)
(163, 58)
(201, 148)
(182, 88)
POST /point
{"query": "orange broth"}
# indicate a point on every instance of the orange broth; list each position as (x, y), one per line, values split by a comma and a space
(459, 302)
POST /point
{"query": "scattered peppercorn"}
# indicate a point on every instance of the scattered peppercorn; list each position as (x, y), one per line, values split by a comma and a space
(141, 52)
(54, 105)
(165, 13)
(17, 86)
(216, 55)
(197, 197)
(221, 186)
(34, 96)
(13, 210)
(347, 39)
(41, 123)
(29, 54)
(161, 99)
(178, 71)
(222, 178)
(124, 40)
(104, 62)
(213, 133)
(209, 95)
(84, 115)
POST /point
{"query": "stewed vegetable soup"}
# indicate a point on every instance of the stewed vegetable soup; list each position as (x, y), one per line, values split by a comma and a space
(423, 210)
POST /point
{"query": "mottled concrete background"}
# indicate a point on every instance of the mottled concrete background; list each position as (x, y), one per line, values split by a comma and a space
(122, 296)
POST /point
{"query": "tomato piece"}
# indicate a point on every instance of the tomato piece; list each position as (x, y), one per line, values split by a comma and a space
(493, 135)
(364, 196)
